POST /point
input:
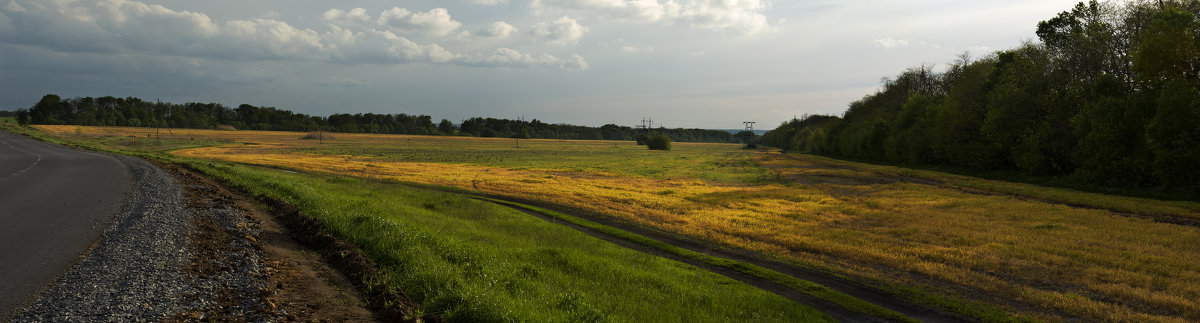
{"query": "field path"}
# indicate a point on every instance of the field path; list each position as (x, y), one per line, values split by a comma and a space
(852, 288)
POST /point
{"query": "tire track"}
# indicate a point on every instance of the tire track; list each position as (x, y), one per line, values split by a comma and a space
(849, 287)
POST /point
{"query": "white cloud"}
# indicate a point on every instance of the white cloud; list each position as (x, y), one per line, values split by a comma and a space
(356, 17)
(621, 10)
(890, 42)
(125, 27)
(381, 47)
(264, 39)
(741, 17)
(696, 53)
(498, 29)
(436, 21)
(511, 58)
(564, 30)
(490, 2)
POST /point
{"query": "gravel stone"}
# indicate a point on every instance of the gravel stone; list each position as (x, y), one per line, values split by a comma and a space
(138, 271)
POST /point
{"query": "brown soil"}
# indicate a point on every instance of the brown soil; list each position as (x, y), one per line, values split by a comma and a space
(299, 282)
(389, 304)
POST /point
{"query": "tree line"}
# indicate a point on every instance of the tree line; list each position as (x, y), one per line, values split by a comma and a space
(505, 128)
(1108, 95)
(135, 112)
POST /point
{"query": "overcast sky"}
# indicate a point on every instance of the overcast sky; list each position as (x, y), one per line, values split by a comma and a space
(685, 63)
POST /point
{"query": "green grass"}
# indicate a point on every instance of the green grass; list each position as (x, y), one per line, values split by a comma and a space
(471, 260)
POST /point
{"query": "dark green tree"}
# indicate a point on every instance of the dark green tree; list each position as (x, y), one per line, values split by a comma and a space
(22, 117)
(446, 127)
(1174, 136)
(1112, 146)
(1168, 48)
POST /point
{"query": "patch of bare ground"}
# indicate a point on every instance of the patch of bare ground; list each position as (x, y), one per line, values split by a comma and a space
(300, 284)
(388, 303)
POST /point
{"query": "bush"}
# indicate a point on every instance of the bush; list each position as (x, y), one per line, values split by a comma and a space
(658, 142)
(641, 139)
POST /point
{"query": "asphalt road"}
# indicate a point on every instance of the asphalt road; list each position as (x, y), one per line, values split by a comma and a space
(54, 204)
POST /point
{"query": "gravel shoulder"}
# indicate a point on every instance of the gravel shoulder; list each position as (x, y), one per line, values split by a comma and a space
(183, 248)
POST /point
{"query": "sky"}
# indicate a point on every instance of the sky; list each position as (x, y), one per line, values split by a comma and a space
(685, 63)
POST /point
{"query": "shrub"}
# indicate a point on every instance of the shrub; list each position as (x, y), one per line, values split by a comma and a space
(658, 142)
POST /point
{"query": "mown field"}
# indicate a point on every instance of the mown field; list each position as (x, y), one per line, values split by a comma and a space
(945, 240)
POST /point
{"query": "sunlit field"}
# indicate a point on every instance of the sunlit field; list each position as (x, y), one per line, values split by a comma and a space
(1044, 253)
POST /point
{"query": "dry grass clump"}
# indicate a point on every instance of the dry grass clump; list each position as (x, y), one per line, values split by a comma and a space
(225, 127)
(318, 135)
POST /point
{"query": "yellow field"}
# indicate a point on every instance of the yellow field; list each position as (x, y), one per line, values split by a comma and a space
(1029, 249)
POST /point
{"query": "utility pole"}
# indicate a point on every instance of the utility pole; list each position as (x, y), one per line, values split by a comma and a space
(158, 125)
(644, 127)
(520, 125)
(163, 120)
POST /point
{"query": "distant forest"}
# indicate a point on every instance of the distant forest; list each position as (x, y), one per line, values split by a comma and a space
(1107, 96)
(135, 112)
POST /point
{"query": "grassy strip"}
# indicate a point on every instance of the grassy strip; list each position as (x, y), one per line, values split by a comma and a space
(804, 286)
(474, 261)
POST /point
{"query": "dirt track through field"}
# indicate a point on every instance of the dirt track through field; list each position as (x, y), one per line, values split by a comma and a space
(855, 289)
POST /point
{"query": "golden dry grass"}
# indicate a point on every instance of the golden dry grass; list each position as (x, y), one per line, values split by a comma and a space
(1028, 252)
